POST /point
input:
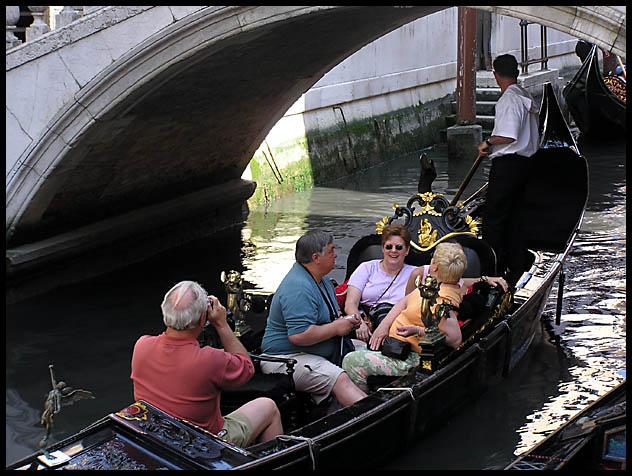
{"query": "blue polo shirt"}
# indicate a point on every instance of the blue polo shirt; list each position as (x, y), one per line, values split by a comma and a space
(296, 305)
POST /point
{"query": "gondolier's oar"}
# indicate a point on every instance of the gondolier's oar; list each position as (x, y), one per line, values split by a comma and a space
(467, 179)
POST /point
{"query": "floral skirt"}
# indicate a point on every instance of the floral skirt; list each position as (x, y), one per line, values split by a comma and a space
(364, 362)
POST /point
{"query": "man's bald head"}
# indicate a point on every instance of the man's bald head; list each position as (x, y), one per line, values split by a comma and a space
(183, 305)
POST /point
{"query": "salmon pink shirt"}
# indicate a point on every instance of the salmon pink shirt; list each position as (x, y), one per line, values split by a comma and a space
(184, 380)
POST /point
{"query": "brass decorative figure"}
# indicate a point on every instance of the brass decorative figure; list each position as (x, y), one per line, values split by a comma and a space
(233, 282)
(429, 291)
(60, 395)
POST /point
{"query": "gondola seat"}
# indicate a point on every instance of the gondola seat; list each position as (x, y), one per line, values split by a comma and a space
(296, 408)
(278, 386)
(481, 259)
(365, 249)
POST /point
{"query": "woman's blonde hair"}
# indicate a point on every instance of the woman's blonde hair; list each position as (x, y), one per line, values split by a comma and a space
(451, 262)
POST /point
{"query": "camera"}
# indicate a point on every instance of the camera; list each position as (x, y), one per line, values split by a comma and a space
(208, 298)
(349, 316)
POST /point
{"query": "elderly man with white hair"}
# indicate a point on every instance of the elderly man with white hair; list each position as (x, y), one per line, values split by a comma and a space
(172, 372)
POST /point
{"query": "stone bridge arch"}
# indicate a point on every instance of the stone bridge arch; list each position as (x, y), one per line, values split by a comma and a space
(184, 107)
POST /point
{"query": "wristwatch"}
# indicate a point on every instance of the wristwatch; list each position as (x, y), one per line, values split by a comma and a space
(489, 144)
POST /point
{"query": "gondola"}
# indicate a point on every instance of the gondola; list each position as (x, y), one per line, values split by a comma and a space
(596, 109)
(594, 439)
(396, 411)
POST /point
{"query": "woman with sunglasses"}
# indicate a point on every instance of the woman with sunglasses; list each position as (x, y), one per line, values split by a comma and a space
(380, 281)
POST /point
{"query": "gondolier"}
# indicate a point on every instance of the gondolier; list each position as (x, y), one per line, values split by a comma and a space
(513, 141)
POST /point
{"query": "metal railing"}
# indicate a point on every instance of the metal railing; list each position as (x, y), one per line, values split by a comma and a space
(524, 48)
(32, 22)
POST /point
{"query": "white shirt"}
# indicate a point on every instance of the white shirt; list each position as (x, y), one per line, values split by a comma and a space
(516, 117)
(375, 284)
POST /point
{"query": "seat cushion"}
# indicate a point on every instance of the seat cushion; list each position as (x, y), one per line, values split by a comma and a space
(278, 387)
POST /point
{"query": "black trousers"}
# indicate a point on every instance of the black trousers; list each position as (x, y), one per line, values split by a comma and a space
(508, 177)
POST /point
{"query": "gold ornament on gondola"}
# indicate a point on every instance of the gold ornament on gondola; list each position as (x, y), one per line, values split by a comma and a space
(428, 209)
(381, 225)
(472, 223)
(233, 283)
(60, 396)
(426, 235)
(433, 226)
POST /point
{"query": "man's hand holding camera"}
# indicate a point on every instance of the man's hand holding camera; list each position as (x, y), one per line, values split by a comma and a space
(216, 312)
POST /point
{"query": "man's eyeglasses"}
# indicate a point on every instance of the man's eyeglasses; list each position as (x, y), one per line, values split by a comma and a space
(397, 247)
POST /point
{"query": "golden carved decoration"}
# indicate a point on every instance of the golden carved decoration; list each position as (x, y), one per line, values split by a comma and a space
(381, 225)
(426, 236)
(443, 238)
(427, 209)
(472, 223)
(504, 306)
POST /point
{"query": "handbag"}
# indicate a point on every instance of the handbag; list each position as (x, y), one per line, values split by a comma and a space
(395, 348)
(377, 313)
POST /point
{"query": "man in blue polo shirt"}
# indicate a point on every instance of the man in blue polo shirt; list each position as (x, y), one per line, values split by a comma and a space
(304, 323)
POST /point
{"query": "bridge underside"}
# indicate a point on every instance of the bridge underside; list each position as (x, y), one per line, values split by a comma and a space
(197, 123)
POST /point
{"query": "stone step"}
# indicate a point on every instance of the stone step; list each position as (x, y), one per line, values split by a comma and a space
(443, 134)
(486, 121)
(485, 79)
(531, 81)
(483, 108)
(487, 94)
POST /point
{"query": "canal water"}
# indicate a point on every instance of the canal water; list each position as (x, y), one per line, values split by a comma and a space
(87, 330)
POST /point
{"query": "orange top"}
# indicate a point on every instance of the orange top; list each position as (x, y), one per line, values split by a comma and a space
(411, 316)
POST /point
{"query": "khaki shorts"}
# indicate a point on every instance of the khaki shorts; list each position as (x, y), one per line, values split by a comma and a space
(313, 374)
(237, 429)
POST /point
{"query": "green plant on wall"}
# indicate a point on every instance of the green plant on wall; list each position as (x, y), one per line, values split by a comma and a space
(325, 155)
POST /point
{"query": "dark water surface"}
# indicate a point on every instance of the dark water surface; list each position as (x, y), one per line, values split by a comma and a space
(88, 330)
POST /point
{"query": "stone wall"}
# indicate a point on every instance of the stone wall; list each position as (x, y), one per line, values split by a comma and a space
(324, 155)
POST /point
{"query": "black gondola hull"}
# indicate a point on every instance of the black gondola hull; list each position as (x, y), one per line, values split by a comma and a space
(596, 109)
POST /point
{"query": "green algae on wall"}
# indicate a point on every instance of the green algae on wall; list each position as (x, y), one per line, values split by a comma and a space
(325, 155)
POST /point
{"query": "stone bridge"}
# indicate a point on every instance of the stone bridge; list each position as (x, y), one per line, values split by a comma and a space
(134, 118)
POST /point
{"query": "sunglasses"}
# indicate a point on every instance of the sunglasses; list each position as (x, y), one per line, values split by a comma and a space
(397, 247)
